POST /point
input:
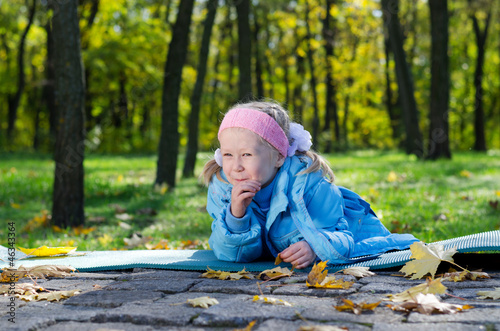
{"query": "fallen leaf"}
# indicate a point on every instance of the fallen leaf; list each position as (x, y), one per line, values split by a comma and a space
(330, 282)
(321, 328)
(275, 273)
(21, 288)
(271, 301)
(248, 327)
(465, 173)
(460, 276)
(55, 295)
(392, 177)
(495, 295)
(47, 251)
(42, 271)
(433, 286)
(317, 273)
(136, 240)
(426, 259)
(355, 307)
(162, 244)
(428, 304)
(203, 302)
(223, 275)
(359, 272)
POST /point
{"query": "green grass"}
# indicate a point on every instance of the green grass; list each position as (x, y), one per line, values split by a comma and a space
(434, 200)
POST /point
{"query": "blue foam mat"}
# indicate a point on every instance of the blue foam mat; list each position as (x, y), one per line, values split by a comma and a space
(200, 260)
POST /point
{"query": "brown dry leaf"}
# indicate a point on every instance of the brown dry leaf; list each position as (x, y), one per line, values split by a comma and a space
(271, 301)
(203, 302)
(495, 295)
(21, 288)
(460, 276)
(248, 327)
(223, 275)
(355, 307)
(275, 273)
(428, 304)
(426, 259)
(56, 295)
(358, 272)
(317, 274)
(10, 275)
(46, 270)
(430, 286)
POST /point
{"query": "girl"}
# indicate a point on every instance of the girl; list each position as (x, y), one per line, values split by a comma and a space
(269, 194)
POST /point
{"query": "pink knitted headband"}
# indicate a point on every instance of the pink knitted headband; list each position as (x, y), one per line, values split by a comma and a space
(259, 123)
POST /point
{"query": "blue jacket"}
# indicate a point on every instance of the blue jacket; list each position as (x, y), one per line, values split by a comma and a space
(336, 222)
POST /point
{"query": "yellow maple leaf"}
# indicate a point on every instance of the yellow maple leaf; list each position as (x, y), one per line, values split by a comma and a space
(356, 308)
(271, 301)
(275, 273)
(317, 274)
(432, 286)
(330, 282)
(426, 259)
(203, 302)
(495, 295)
(223, 275)
(47, 251)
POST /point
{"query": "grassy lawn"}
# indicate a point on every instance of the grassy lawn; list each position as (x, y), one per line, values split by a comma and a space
(433, 200)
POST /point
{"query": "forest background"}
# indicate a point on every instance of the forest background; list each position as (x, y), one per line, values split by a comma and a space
(155, 76)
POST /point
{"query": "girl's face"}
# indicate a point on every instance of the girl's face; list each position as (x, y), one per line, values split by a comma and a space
(246, 157)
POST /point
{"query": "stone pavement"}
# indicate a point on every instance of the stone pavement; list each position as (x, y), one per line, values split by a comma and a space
(147, 299)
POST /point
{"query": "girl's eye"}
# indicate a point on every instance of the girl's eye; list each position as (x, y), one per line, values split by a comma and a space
(227, 154)
(247, 154)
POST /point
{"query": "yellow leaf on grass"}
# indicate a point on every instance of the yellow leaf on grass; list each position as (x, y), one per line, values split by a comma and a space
(47, 251)
(356, 308)
(392, 177)
(433, 286)
(495, 295)
(223, 275)
(275, 273)
(426, 259)
(15, 205)
(271, 301)
(203, 302)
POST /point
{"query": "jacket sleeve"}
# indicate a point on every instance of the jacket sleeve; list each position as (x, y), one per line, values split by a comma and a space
(240, 243)
(326, 208)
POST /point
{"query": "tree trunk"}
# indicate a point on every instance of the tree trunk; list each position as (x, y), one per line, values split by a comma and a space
(258, 60)
(194, 116)
(14, 99)
(331, 111)
(479, 127)
(68, 195)
(168, 147)
(49, 87)
(413, 143)
(439, 146)
(315, 122)
(244, 50)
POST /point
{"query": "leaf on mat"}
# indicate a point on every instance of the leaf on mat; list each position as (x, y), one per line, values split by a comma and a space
(430, 286)
(356, 308)
(248, 327)
(47, 251)
(428, 304)
(460, 276)
(203, 302)
(426, 259)
(359, 272)
(495, 295)
(271, 301)
(317, 273)
(223, 275)
(275, 273)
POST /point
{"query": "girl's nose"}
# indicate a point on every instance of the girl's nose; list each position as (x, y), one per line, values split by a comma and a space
(239, 164)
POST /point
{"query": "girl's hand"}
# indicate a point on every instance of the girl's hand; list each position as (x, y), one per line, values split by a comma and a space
(299, 254)
(241, 196)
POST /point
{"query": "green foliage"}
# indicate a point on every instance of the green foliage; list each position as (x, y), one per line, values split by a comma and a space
(433, 200)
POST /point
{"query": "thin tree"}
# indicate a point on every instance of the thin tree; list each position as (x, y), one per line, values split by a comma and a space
(15, 98)
(168, 147)
(68, 195)
(413, 141)
(194, 116)
(244, 50)
(479, 130)
(439, 146)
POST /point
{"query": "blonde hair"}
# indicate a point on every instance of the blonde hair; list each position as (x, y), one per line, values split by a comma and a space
(280, 115)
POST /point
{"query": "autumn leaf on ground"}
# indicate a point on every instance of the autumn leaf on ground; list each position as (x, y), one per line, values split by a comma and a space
(321, 328)
(203, 302)
(162, 244)
(495, 295)
(11, 275)
(460, 276)
(271, 301)
(355, 307)
(432, 286)
(317, 273)
(21, 288)
(248, 327)
(49, 295)
(426, 259)
(136, 240)
(358, 272)
(275, 273)
(428, 304)
(47, 251)
(42, 271)
(223, 275)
